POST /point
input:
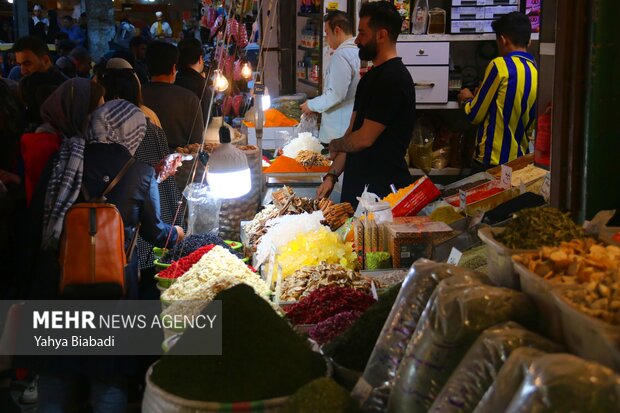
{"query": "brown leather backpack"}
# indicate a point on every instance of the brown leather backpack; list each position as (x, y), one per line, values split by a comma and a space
(92, 247)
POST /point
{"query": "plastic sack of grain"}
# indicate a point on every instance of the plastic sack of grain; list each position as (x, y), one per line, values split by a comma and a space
(508, 380)
(566, 383)
(475, 373)
(284, 229)
(455, 316)
(373, 389)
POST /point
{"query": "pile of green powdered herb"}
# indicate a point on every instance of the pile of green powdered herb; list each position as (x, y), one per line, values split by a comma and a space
(533, 228)
(262, 356)
(322, 395)
(352, 348)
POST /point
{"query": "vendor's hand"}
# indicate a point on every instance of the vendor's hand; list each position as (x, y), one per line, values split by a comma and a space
(464, 95)
(9, 178)
(326, 188)
(333, 152)
(180, 233)
(304, 108)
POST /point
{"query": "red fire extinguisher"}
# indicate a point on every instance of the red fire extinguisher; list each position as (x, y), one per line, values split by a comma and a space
(542, 146)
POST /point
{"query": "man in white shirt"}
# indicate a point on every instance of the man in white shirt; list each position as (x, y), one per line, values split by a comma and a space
(37, 16)
(341, 78)
(160, 29)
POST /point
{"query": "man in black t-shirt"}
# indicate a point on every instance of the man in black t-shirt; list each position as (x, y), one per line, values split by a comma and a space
(372, 151)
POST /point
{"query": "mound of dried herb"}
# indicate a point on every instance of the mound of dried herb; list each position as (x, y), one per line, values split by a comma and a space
(262, 356)
(322, 395)
(533, 228)
(352, 348)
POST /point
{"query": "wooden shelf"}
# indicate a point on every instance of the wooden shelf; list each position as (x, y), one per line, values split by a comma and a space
(453, 37)
(440, 172)
(438, 106)
(308, 49)
(308, 82)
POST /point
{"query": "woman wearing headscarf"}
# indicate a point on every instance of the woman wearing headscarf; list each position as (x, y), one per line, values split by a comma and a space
(53, 174)
(121, 82)
(114, 135)
(114, 132)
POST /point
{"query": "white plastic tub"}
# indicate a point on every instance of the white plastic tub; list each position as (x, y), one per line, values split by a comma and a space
(499, 259)
(540, 292)
(589, 337)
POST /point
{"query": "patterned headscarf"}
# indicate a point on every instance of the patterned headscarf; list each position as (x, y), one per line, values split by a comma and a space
(67, 110)
(117, 121)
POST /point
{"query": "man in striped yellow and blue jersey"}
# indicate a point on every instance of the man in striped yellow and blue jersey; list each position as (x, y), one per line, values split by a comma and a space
(504, 107)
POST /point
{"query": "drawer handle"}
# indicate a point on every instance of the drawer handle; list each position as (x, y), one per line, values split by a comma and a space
(424, 85)
(421, 52)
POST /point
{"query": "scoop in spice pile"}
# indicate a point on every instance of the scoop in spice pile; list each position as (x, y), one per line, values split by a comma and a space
(302, 282)
(263, 357)
(322, 395)
(533, 228)
(593, 270)
(327, 302)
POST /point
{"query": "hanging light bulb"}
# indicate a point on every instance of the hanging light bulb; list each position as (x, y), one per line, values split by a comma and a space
(220, 83)
(246, 71)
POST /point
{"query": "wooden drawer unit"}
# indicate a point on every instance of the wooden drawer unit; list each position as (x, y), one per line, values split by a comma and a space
(431, 83)
(424, 53)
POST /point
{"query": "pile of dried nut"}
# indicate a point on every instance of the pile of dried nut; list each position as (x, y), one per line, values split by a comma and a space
(589, 270)
(302, 282)
(309, 159)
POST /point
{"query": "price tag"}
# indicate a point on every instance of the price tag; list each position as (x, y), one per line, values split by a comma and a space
(278, 284)
(272, 266)
(506, 180)
(545, 191)
(522, 187)
(462, 199)
(455, 256)
(373, 289)
(476, 219)
(362, 390)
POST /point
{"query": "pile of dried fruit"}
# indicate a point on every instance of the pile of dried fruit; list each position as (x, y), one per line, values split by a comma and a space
(284, 203)
(328, 329)
(314, 248)
(593, 270)
(326, 302)
(180, 267)
(302, 282)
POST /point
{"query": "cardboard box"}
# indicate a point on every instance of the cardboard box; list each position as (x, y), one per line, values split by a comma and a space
(412, 238)
(471, 26)
(468, 13)
(423, 193)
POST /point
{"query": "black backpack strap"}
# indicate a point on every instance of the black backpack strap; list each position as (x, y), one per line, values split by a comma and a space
(132, 244)
(118, 177)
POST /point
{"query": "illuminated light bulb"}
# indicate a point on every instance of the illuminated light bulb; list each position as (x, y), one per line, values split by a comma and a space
(220, 83)
(246, 71)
